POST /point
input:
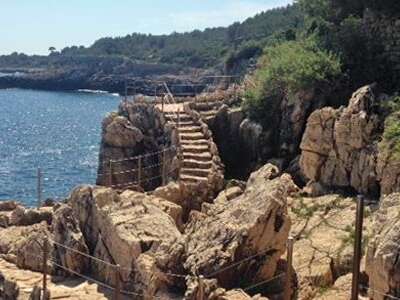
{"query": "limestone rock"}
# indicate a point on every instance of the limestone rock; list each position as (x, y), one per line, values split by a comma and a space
(130, 230)
(24, 285)
(121, 133)
(23, 245)
(137, 128)
(65, 228)
(382, 265)
(21, 216)
(253, 222)
(323, 232)
(338, 148)
(8, 205)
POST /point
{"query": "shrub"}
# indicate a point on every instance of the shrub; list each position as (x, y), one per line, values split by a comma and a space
(286, 69)
(391, 135)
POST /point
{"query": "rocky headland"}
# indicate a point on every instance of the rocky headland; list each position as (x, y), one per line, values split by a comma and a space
(180, 228)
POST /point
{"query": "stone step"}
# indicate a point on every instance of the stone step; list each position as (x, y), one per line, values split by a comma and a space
(208, 113)
(195, 164)
(193, 179)
(186, 123)
(195, 142)
(189, 129)
(204, 106)
(195, 172)
(205, 156)
(191, 136)
(194, 148)
(182, 117)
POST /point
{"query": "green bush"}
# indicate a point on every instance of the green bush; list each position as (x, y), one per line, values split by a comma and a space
(286, 69)
(391, 135)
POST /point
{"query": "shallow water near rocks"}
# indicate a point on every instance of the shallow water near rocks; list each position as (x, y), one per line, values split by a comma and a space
(57, 131)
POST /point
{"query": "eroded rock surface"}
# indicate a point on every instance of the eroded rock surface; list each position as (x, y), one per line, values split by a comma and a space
(323, 229)
(257, 221)
(339, 147)
(382, 264)
(132, 230)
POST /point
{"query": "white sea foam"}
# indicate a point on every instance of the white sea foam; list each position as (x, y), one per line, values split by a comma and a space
(97, 92)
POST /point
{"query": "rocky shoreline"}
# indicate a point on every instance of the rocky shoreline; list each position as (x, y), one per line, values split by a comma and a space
(211, 238)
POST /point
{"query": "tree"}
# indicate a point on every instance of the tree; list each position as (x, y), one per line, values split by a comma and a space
(52, 49)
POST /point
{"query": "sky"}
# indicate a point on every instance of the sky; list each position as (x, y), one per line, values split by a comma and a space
(32, 26)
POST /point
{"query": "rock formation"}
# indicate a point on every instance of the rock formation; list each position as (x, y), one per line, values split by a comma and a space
(252, 223)
(339, 147)
(144, 234)
(323, 229)
(136, 129)
(382, 265)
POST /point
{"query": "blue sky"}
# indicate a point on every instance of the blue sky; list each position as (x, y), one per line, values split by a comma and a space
(32, 26)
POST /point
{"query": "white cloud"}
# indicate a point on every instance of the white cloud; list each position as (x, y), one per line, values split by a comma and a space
(236, 10)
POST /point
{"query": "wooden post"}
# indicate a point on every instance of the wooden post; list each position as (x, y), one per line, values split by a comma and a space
(201, 287)
(357, 248)
(44, 267)
(39, 187)
(117, 289)
(139, 171)
(164, 169)
(162, 103)
(289, 272)
(179, 117)
(110, 175)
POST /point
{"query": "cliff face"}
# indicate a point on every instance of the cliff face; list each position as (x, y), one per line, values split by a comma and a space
(340, 147)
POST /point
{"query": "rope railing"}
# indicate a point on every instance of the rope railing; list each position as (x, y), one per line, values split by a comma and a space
(140, 156)
(380, 292)
(117, 268)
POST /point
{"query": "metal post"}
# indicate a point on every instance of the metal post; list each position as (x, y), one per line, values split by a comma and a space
(110, 170)
(164, 167)
(139, 171)
(39, 187)
(201, 287)
(289, 272)
(357, 248)
(117, 290)
(44, 266)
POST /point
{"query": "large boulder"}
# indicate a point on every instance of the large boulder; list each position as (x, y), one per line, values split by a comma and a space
(23, 245)
(382, 263)
(323, 230)
(339, 147)
(136, 231)
(121, 133)
(255, 222)
(69, 242)
(137, 128)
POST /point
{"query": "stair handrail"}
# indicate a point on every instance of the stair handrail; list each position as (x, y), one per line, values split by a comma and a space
(179, 146)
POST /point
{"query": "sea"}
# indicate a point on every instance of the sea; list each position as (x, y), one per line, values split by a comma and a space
(56, 132)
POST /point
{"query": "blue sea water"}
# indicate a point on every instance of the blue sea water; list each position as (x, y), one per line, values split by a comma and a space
(56, 131)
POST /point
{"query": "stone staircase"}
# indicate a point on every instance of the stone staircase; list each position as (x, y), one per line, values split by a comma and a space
(197, 158)
(207, 109)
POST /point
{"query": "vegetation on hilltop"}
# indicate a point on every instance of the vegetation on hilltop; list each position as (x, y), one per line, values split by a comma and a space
(333, 46)
(284, 70)
(223, 48)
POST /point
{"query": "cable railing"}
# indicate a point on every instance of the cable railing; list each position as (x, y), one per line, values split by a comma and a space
(139, 172)
(200, 278)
